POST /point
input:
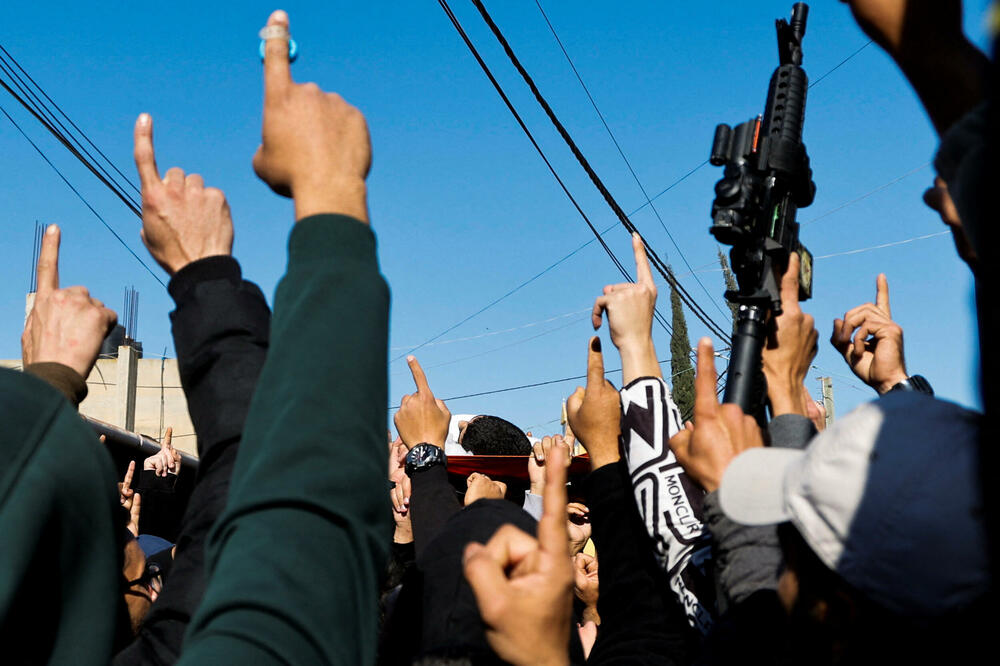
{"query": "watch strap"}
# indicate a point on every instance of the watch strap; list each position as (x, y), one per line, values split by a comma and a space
(424, 456)
(916, 383)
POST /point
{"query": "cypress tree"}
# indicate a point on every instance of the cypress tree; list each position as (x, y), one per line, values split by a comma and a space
(727, 273)
(681, 370)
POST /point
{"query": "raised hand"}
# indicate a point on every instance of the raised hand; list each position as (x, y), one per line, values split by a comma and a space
(879, 361)
(578, 526)
(314, 145)
(397, 455)
(421, 417)
(399, 494)
(479, 486)
(182, 220)
(595, 412)
(64, 326)
(586, 580)
(536, 461)
(125, 492)
(523, 586)
(790, 349)
(629, 307)
(168, 460)
(719, 433)
(133, 514)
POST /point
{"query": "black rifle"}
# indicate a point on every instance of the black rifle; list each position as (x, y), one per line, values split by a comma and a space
(767, 179)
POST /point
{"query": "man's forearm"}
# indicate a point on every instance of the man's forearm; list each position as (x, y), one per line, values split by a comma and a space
(307, 516)
(221, 329)
(950, 80)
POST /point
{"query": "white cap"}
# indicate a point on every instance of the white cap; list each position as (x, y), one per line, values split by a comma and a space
(889, 497)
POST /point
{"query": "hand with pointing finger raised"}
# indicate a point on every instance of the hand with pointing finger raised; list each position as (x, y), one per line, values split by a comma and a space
(595, 412)
(719, 433)
(421, 418)
(629, 307)
(879, 361)
(314, 146)
(182, 220)
(790, 349)
(523, 585)
(65, 326)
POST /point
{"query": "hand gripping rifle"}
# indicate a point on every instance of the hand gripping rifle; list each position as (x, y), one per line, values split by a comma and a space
(767, 178)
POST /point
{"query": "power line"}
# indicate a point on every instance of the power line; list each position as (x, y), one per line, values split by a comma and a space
(883, 245)
(628, 164)
(496, 84)
(841, 63)
(70, 120)
(649, 201)
(80, 196)
(869, 193)
(500, 332)
(545, 383)
(43, 115)
(655, 260)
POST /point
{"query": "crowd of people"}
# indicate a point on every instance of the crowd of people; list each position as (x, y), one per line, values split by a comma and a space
(311, 537)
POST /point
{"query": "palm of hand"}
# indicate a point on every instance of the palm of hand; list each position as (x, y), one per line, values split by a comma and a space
(531, 587)
(578, 533)
(877, 362)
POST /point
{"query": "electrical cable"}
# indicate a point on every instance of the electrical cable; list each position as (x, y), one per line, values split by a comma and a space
(537, 384)
(496, 84)
(39, 109)
(70, 120)
(668, 188)
(655, 260)
(125, 198)
(80, 196)
(628, 164)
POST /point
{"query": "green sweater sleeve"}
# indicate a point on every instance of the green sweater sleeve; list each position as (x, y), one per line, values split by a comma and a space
(295, 559)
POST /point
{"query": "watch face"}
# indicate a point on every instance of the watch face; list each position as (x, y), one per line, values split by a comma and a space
(423, 455)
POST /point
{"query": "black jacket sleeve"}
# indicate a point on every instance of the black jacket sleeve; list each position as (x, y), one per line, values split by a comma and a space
(432, 503)
(641, 620)
(221, 329)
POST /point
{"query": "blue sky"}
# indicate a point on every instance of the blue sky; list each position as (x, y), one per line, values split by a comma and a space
(463, 207)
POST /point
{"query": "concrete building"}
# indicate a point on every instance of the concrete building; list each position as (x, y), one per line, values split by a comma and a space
(142, 395)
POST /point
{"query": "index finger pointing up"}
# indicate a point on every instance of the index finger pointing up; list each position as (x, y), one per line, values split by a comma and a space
(145, 158)
(595, 364)
(706, 402)
(552, 535)
(643, 275)
(790, 281)
(882, 294)
(419, 378)
(277, 73)
(47, 273)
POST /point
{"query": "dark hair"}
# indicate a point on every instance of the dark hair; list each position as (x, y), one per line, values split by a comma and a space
(493, 436)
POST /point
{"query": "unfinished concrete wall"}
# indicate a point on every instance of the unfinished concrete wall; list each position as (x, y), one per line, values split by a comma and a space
(158, 398)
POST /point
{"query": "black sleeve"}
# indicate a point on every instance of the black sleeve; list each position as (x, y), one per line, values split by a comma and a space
(221, 329)
(432, 503)
(641, 620)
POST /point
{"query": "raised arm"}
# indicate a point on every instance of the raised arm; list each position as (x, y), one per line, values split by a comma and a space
(670, 505)
(640, 619)
(295, 559)
(221, 328)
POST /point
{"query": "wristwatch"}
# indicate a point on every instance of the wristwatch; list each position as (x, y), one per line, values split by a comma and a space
(424, 456)
(914, 383)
